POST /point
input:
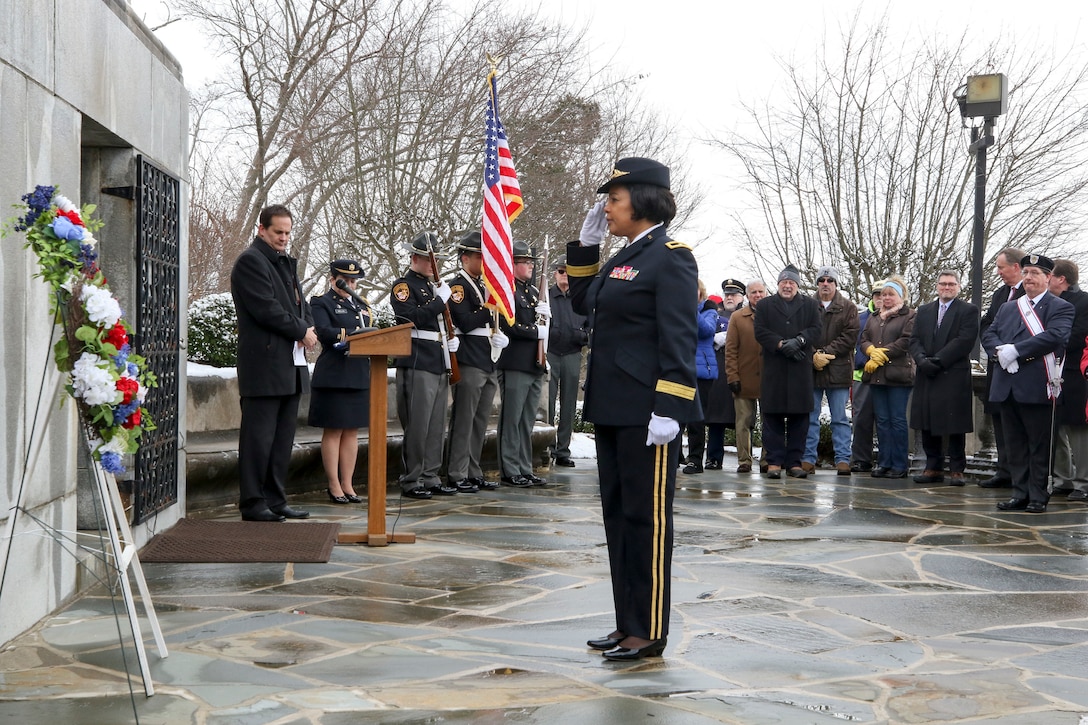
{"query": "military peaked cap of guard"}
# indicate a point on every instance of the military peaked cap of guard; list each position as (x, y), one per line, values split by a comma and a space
(733, 287)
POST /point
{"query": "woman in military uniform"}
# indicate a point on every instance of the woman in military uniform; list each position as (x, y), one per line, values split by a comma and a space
(640, 387)
(340, 390)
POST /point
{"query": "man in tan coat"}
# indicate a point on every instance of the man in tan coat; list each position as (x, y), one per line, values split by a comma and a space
(744, 370)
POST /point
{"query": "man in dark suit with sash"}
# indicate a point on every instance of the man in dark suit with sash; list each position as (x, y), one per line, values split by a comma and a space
(945, 333)
(1028, 338)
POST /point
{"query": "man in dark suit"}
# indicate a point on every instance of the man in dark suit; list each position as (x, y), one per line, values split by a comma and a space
(1008, 269)
(1028, 338)
(945, 333)
(1071, 446)
(275, 327)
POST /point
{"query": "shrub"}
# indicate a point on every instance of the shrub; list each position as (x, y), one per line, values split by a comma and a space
(213, 331)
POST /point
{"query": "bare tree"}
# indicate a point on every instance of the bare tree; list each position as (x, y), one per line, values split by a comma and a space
(367, 119)
(865, 165)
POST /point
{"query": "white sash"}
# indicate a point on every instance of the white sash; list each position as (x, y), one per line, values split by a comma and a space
(1054, 367)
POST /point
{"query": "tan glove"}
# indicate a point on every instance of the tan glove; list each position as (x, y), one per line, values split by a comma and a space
(820, 359)
(871, 366)
(878, 354)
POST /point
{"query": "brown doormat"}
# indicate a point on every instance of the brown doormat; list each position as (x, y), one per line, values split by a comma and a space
(198, 541)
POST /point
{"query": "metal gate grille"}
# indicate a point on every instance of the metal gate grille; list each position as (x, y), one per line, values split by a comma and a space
(157, 336)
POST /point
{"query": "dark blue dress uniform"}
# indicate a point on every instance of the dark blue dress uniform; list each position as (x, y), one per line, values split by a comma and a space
(340, 387)
(641, 361)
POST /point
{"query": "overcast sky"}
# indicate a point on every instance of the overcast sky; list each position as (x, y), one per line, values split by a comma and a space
(700, 61)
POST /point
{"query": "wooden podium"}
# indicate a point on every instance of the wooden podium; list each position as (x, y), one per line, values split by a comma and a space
(378, 345)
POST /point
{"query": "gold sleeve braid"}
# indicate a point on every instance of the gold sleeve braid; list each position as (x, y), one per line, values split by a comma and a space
(677, 389)
(587, 270)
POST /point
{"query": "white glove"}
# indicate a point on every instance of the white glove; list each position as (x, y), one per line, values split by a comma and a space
(661, 431)
(544, 310)
(594, 227)
(719, 339)
(1012, 367)
(1006, 354)
(453, 344)
(499, 340)
(542, 332)
(443, 291)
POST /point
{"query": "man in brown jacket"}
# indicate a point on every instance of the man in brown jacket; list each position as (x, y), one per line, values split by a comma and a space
(833, 370)
(744, 370)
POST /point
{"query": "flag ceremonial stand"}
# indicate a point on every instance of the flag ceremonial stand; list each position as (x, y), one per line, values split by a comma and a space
(378, 345)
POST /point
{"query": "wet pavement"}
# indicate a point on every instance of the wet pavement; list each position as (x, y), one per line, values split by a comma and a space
(824, 600)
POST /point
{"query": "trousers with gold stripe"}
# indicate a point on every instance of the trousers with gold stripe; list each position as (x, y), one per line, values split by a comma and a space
(637, 486)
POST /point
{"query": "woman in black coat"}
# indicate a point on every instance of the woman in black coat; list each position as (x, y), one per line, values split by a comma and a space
(340, 390)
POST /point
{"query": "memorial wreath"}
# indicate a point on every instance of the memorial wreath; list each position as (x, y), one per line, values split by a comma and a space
(105, 378)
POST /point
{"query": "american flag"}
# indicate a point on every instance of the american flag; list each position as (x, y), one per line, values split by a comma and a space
(502, 204)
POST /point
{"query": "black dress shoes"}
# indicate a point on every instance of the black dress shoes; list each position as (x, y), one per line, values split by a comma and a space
(516, 481)
(861, 467)
(1013, 504)
(564, 461)
(442, 490)
(693, 468)
(626, 654)
(604, 643)
(717, 466)
(483, 485)
(797, 472)
(1036, 507)
(352, 498)
(996, 482)
(466, 486)
(417, 492)
(290, 513)
(265, 515)
(878, 472)
(337, 499)
(895, 473)
(536, 480)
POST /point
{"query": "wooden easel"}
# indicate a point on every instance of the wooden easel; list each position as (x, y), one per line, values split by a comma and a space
(378, 345)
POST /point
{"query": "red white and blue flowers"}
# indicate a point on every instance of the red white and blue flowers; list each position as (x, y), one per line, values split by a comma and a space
(105, 377)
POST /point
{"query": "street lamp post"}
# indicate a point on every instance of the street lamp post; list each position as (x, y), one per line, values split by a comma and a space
(986, 97)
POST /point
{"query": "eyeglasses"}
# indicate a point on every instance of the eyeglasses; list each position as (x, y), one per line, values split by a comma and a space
(822, 280)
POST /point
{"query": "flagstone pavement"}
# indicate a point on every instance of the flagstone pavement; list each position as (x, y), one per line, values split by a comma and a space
(824, 600)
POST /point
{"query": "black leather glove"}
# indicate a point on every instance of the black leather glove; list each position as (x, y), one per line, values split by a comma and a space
(790, 347)
(735, 387)
(799, 354)
(928, 367)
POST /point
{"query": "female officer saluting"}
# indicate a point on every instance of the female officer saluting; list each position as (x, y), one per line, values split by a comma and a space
(640, 387)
